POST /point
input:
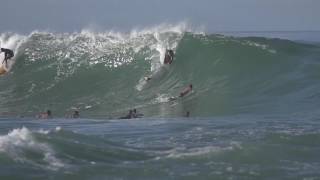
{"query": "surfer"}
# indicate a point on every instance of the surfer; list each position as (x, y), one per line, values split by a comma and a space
(8, 54)
(45, 115)
(129, 116)
(136, 115)
(182, 93)
(188, 114)
(132, 114)
(75, 114)
(168, 58)
(186, 91)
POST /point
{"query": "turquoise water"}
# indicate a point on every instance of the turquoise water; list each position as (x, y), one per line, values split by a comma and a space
(253, 109)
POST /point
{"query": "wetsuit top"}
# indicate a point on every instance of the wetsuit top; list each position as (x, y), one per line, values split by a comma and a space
(8, 53)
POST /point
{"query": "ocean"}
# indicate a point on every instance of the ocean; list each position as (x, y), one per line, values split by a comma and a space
(253, 108)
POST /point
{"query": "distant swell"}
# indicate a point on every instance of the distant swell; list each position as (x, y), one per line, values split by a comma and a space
(102, 74)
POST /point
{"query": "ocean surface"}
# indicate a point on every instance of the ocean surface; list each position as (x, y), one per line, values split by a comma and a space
(254, 108)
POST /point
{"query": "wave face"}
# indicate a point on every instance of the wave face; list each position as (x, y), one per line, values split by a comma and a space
(102, 74)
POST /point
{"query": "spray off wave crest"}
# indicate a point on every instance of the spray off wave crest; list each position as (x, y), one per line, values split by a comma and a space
(103, 74)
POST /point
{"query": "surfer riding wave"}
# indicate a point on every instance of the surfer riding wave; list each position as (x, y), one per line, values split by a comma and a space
(8, 54)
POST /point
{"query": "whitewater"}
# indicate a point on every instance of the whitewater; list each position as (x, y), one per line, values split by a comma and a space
(253, 109)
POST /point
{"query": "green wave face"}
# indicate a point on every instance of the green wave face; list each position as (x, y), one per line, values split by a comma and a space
(102, 74)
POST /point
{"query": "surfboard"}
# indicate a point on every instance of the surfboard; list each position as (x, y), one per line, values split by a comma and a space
(3, 70)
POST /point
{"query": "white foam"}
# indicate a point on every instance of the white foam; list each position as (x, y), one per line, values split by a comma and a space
(183, 152)
(197, 151)
(261, 46)
(229, 169)
(142, 82)
(109, 48)
(42, 131)
(98, 44)
(162, 98)
(55, 163)
(88, 107)
(58, 128)
(18, 140)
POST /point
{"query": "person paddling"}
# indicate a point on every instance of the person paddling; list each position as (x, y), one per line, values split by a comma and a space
(186, 91)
